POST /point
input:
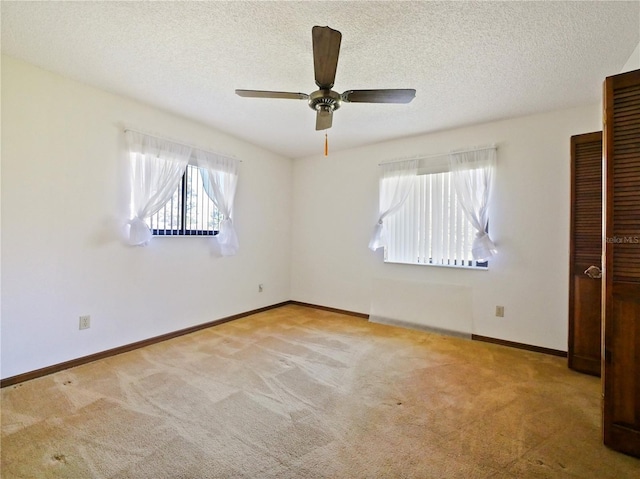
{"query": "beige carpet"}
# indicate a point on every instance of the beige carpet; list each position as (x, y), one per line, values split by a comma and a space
(302, 393)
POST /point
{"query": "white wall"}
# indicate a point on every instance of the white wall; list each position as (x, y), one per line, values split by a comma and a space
(60, 258)
(335, 208)
(633, 63)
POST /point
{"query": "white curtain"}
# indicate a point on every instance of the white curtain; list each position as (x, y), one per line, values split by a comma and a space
(396, 182)
(472, 177)
(156, 168)
(220, 178)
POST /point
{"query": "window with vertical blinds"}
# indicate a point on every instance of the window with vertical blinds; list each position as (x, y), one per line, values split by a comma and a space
(431, 228)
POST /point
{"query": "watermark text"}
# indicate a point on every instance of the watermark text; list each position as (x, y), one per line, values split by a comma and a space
(623, 239)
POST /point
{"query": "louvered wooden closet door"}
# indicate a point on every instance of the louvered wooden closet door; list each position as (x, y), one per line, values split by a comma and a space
(585, 291)
(621, 365)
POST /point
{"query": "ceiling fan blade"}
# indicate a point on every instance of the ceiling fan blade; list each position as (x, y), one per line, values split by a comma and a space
(324, 118)
(326, 48)
(379, 96)
(272, 94)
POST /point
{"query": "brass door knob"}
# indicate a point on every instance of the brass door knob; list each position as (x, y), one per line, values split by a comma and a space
(593, 272)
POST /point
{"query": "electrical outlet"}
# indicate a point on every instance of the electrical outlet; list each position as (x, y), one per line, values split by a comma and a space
(85, 322)
(260, 288)
(500, 311)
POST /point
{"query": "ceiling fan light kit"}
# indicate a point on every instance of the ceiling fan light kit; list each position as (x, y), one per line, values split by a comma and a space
(324, 101)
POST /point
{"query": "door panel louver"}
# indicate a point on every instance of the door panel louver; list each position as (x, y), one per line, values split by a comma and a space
(626, 184)
(587, 201)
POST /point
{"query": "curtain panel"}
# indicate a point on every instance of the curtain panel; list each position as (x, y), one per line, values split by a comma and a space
(472, 177)
(396, 182)
(219, 179)
(156, 167)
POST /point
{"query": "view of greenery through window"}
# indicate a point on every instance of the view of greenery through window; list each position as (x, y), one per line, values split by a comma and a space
(190, 211)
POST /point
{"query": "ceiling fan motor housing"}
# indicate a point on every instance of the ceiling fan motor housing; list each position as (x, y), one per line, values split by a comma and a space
(327, 100)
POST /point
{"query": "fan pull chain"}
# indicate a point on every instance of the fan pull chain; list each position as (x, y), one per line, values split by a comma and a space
(326, 145)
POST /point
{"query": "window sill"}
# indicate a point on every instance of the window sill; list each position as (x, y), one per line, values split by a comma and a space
(474, 268)
(185, 235)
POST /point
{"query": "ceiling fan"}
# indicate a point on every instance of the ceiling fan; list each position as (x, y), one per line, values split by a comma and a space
(326, 48)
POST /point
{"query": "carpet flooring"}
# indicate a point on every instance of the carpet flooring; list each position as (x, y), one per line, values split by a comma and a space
(302, 393)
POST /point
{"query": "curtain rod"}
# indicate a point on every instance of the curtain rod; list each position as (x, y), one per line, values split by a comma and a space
(438, 155)
(182, 143)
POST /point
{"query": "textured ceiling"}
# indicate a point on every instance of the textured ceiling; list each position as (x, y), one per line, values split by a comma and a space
(470, 62)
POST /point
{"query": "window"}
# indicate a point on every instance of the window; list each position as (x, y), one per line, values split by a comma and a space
(435, 210)
(431, 227)
(189, 212)
(169, 196)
